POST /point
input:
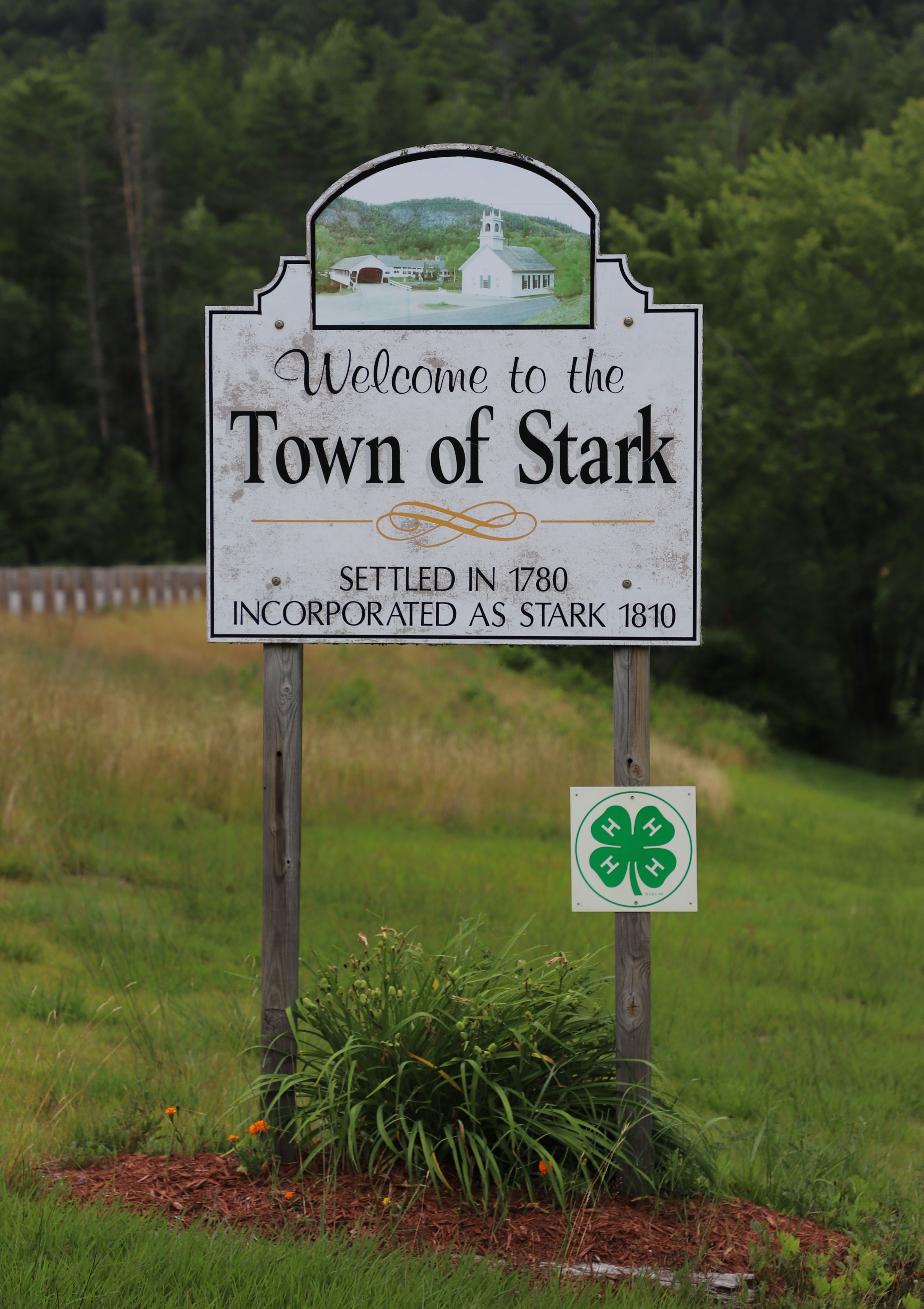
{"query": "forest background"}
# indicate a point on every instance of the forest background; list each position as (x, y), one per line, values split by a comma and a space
(765, 158)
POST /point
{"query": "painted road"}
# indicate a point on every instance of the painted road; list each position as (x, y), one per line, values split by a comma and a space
(497, 313)
(398, 306)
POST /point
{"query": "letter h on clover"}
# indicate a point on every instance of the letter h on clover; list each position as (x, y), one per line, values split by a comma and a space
(634, 851)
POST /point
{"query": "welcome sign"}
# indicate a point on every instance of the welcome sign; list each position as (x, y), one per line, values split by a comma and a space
(453, 420)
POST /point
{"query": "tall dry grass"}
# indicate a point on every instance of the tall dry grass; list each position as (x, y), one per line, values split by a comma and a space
(95, 715)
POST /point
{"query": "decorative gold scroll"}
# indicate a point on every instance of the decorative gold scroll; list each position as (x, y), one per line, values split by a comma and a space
(433, 525)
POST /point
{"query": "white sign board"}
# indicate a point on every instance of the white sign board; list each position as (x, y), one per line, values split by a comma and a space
(633, 850)
(488, 432)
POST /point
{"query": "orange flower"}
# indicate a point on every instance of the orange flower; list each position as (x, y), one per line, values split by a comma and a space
(261, 1125)
(233, 1136)
(170, 1111)
(288, 1195)
(543, 1167)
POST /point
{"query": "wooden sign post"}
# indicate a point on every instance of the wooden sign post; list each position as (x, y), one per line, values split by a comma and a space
(631, 767)
(282, 855)
(633, 852)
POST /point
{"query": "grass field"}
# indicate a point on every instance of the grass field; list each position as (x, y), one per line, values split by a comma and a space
(56, 1256)
(435, 788)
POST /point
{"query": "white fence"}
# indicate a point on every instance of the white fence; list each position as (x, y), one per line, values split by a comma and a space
(89, 590)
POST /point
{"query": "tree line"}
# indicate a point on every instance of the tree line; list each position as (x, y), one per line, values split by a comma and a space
(763, 158)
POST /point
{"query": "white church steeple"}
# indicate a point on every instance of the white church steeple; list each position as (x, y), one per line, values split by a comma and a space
(492, 230)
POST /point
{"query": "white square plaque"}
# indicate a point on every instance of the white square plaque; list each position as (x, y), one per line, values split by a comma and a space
(633, 850)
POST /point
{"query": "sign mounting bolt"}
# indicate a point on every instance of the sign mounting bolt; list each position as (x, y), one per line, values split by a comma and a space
(626, 322)
(280, 324)
(276, 581)
(627, 585)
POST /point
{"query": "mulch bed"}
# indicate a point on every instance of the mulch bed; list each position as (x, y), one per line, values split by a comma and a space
(696, 1234)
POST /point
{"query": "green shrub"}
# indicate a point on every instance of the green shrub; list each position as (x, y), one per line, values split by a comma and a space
(355, 698)
(473, 695)
(519, 658)
(468, 1069)
(791, 1278)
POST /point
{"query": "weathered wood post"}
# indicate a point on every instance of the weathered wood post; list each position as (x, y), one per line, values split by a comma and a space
(26, 591)
(98, 582)
(282, 835)
(631, 767)
(49, 588)
(105, 576)
(70, 590)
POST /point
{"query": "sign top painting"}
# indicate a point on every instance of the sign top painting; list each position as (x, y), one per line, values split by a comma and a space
(454, 420)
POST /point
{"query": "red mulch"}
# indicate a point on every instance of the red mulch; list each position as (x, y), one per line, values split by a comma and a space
(697, 1234)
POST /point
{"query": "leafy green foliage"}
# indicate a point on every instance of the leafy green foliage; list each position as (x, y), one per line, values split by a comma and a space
(811, 271)
(61, 498)
(791, 1278)
(725, 141)
(469, 1069)
(354, 698)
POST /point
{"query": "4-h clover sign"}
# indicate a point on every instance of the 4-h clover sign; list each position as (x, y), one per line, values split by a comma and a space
(633, 850)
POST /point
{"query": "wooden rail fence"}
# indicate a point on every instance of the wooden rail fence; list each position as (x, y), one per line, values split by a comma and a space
(90, 590)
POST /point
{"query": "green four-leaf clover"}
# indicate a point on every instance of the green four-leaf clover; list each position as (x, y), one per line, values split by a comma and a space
(634, 851)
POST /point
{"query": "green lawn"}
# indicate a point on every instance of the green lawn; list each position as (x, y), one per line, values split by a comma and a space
(435, 788)
(57, 1256)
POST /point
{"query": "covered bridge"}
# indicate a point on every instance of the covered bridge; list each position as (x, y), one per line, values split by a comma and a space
(359, 269)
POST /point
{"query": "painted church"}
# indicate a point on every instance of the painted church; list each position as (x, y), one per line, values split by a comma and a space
(499, 269)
